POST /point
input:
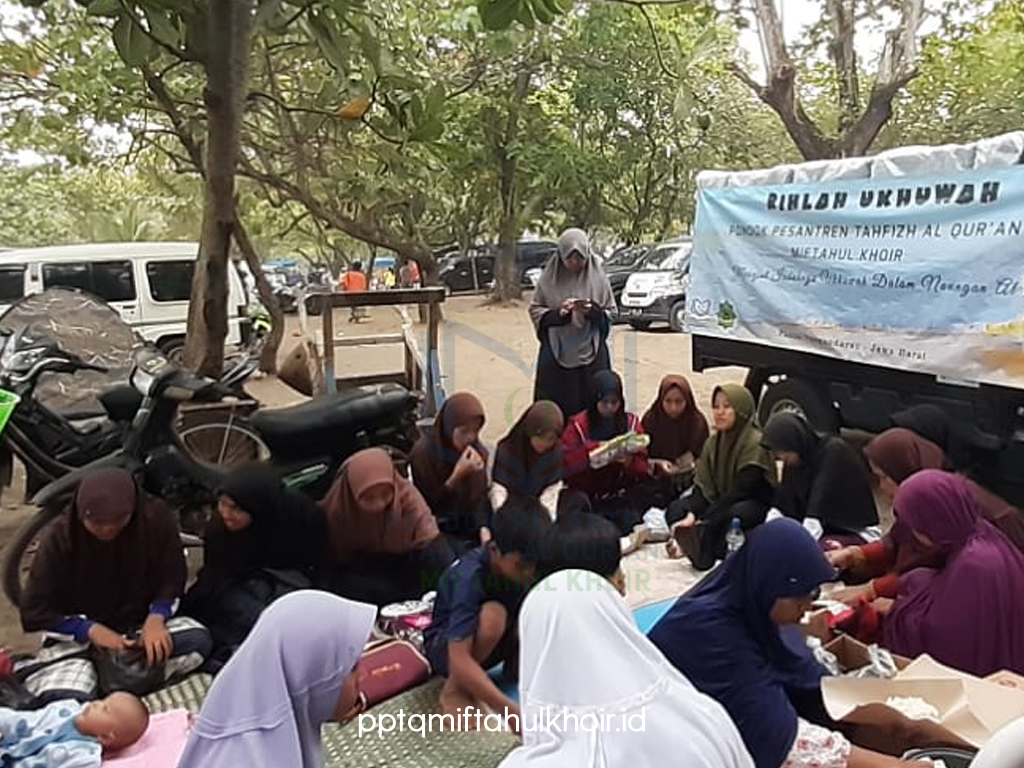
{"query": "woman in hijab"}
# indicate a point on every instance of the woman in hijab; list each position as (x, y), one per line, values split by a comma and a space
(824, 479)
(735, 479)
(528, 461)
(614, 490)
(568, 633)
(736, 638)
(107, 573)
(678, 432)
(965, 611)
(933, 424)
(265, 541)
(894, 456)
(384, 543)
(290, 677)
(571, 311)
(449, 467)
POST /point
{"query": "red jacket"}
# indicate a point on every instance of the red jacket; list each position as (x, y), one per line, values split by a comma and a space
(577, 444)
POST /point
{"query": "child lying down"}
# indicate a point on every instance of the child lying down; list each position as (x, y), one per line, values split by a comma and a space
(66, 734)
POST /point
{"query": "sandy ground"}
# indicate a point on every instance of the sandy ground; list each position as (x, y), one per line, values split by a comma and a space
(491, 351)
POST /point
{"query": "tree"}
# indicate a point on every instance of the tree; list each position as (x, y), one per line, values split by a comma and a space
(859, 121)
(226, 65)
(971, 83)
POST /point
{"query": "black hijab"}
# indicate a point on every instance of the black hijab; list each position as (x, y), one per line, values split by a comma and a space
(605, 383)
(112, 582)
(288, 530)
(832, 483)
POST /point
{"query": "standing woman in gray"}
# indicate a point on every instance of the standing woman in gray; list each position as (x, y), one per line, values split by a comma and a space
(571, 310)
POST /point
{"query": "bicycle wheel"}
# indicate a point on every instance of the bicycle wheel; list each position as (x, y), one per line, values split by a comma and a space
(22, 550)
(223, 440)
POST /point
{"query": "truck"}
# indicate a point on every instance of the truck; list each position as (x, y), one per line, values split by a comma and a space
(853, 289)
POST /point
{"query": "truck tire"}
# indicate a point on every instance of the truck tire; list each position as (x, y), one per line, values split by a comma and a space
(677, 316)
(798, 396)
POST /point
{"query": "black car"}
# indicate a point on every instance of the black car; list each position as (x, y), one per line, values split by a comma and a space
(534, 253)
(457, 273)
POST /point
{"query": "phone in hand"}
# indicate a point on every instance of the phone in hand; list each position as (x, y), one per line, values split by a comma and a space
(583, 305)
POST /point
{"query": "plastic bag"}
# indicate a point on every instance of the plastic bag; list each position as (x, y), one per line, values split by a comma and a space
(657, 526)
(882, 664)
(126, 671)
(827, 659)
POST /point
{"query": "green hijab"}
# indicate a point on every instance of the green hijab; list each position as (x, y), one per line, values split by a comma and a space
(727, 453)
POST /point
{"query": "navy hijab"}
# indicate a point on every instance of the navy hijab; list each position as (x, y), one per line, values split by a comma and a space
(722, 638)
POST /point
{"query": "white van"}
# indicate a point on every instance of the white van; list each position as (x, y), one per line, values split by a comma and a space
(149, 284)
(656, 291)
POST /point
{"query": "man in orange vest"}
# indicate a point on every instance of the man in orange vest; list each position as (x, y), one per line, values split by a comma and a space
(354, 280)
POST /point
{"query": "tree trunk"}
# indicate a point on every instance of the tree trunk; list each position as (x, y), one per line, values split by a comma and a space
(268, 355)
(508, 286)
(230, 25)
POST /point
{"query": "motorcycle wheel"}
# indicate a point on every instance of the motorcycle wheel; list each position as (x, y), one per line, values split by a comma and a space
(223, 440)
(22, 550)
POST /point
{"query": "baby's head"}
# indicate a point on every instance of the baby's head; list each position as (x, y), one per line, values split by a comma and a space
(117, 721)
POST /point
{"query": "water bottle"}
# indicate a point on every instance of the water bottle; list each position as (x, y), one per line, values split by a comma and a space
(734, 538)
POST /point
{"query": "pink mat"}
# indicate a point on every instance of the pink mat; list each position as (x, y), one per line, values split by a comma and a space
(160, 746)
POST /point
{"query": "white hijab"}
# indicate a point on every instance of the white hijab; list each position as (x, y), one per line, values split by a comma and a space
(576, 343)
(582, 652)
(267, 705)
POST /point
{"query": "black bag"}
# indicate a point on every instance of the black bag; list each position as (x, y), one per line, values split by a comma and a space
(14, 695)
(126, 671)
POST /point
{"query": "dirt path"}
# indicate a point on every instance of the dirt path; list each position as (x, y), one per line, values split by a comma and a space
(490, 351)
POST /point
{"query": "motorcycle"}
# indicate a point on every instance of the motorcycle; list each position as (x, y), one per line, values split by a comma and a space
(64, 419)
(305, 445)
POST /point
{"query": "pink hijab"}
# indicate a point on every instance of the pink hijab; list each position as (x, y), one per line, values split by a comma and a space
(968, 613)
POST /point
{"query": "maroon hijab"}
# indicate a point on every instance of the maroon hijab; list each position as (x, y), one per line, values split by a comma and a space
(900, 453)
(112, 582)
(968, 612)
(671, 438)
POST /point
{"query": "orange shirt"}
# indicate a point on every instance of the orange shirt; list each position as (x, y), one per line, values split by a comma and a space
(353, 281)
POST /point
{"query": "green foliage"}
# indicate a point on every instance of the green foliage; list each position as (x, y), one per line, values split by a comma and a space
(498, 15)
(403, 125)
(971, 83)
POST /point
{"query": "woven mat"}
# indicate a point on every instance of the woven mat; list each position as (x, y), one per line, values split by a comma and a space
(344, 748)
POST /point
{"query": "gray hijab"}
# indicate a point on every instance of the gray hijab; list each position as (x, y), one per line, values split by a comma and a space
(577, 343)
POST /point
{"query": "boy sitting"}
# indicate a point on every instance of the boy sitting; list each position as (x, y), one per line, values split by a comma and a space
(476, 608)
(587, 542)
(65, 734)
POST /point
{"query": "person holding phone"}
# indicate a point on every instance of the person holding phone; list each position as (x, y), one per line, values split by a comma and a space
(572, 310)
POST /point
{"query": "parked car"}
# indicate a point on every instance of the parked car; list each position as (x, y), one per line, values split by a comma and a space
(457, 273)
(620, 265)
(656, 292)
(149, 284)
(533, 254)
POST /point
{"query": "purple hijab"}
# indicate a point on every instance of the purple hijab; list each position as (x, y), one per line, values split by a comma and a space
(266, 706)
(968, 613)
